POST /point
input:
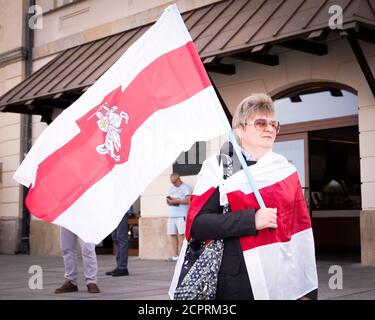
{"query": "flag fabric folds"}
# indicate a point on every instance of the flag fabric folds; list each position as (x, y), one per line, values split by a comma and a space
(90, 165)
(280, 263)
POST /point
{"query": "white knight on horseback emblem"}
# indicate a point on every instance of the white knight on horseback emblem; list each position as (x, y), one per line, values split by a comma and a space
(110, 122)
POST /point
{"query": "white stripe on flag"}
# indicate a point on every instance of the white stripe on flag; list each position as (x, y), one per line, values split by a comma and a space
(283, 270)
(177, 270)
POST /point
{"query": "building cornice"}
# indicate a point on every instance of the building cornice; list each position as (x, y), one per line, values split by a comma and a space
(12, 56)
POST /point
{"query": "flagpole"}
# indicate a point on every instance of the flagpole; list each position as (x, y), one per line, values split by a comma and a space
(246, 169)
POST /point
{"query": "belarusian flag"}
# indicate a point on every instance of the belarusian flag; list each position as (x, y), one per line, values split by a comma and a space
(280, 263)
(91, 163)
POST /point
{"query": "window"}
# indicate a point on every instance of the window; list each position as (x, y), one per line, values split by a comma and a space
(316, 106)
(190, 162)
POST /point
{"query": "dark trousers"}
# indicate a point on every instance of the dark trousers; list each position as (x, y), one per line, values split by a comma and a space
(120, 238)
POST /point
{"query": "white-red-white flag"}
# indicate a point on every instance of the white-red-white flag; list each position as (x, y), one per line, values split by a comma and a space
(91, 163)
(280, 263)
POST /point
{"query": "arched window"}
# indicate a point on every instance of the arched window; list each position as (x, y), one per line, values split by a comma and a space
(310, 105)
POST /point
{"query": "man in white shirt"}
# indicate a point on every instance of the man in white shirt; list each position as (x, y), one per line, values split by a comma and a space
(178, 201)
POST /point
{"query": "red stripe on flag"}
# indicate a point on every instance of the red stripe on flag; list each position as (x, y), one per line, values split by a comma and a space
(292, 213)
(197, 203)
(71, 170)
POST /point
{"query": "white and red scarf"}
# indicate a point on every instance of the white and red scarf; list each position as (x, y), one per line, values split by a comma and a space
(280, 263)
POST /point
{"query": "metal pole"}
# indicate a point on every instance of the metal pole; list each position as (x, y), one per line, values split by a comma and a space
(24, 245)
(249, 177)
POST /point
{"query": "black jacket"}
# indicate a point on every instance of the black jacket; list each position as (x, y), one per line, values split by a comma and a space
(233, 282)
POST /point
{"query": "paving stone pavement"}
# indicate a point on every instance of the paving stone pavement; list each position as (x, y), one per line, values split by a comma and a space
(150, 279)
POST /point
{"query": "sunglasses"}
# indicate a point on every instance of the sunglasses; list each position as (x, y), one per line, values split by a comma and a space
(262, 124)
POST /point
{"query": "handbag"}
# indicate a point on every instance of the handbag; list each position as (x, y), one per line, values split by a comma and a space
(202, 261)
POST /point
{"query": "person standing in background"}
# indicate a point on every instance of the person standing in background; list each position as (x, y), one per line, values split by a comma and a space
(69, 243)
(178, 200)
(121, 241)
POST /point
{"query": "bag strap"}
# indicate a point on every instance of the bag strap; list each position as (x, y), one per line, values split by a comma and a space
(227, 164)
(227, 172)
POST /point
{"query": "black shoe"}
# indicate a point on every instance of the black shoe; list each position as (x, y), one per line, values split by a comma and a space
(120, 273)
(109, 273)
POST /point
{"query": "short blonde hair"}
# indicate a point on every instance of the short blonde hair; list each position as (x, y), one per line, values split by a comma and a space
(253, 104)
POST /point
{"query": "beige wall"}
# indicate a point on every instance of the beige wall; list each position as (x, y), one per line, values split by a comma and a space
(11, 21)
(92, 19)
(11, 73)
(9, 189)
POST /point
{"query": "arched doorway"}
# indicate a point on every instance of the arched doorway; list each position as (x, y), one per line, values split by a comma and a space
(320, 135)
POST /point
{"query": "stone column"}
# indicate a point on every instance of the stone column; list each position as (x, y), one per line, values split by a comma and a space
(367, 154)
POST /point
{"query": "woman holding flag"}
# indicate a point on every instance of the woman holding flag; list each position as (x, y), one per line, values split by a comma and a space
(268, 252)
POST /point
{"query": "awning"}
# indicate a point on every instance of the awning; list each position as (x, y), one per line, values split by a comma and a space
(241, 29)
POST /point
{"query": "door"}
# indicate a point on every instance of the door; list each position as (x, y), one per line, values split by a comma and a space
(335, 188)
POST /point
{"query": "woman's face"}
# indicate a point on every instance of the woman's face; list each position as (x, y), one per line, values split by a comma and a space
(259, 132)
